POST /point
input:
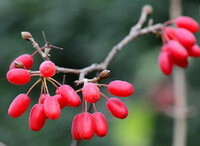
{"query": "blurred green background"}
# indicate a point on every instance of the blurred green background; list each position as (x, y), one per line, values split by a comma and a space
(87, 30)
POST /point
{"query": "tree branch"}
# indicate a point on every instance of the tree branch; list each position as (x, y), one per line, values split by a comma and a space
(135, 31)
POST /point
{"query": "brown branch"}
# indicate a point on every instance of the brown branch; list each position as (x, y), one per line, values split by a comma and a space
(135, 31)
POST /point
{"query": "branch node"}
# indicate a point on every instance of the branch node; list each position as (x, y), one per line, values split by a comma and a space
(147, 9)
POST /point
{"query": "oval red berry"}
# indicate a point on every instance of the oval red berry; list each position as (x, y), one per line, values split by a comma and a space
(169, 33)
(37, 117)
(70, 96)
(86, 126)
(177, 50)
(18, 76)
(19, 105)
(180, 63)
(42, 98)
(74, 128)
(25, 59)
(60, 100)
(187, 23)
(120, 88)
(91, 92)
(101, 126)
(47, 69)
(52, 108)
(165, 62)
(194, 51)
(117, 108)
(185, 37)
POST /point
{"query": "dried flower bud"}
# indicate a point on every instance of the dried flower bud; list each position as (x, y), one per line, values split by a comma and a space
(148, 9)
(19, 65)
(104, 74)
(26, 35)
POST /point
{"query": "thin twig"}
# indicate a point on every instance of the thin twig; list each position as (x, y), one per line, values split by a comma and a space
(37, 47)
(112, 54)
(52, 83)
(33, 86)
(135, 31)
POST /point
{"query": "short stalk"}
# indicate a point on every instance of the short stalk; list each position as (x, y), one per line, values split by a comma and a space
(95, 109)
(104, 96)
(52, 83)
(55, 81)
(33, 86)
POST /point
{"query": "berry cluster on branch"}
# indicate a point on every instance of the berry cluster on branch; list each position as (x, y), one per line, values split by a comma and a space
(84, 125)
(179, 43)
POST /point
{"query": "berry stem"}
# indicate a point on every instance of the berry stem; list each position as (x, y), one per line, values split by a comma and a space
(102, 85)
(33, 86)
(52, 82)
(33, 75)
(85, 106)
(79, 90)
(104, 96)
(42, 88)
(45, 85)
(164, 37)
(34, 53)
(95, 109)
(64, 78)
(55, 81)
(169, 22)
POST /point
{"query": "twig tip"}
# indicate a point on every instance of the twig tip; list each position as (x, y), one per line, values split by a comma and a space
(147, 9)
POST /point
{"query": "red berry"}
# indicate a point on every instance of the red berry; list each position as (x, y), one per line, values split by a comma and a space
(120, 88)
(57, 91)
(42, 98)
(25, 59)
(117, 108)
(185, 37)
(169, 32)
(19, 105)
(165, 62)
(194, 51)
(91, 92)
(70, 96)
(52, 108)
(177, 50)
(101, 126)
(47, 69)
(18, 76)
(181, 63)
(60, 100)
(86, 126)
(37, 117)
(187, 23)
(74, 129)
(165, 48)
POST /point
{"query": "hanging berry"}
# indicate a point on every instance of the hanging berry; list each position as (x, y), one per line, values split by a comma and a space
(18, 76)
(179, 43)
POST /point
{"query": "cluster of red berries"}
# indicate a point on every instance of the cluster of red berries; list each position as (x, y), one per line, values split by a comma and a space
(84, 125)
(179, 43)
